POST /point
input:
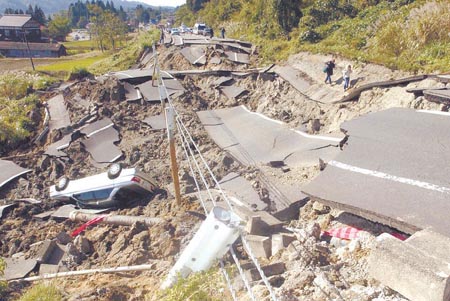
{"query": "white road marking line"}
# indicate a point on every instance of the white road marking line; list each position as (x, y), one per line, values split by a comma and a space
(99, 130)
(14, 176)
(434, 112)
(195, 62)
(386, 176)
(296, 131)
(123, 74)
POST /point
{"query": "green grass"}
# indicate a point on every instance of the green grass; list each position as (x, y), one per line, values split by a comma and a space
(75, 47)
(67, 65)
(16, 103)
(201, 286)
(42, 292)
(3, 284)
(128, 55)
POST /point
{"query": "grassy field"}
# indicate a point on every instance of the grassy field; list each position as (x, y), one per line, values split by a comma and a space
(74, 47)
(67, 64)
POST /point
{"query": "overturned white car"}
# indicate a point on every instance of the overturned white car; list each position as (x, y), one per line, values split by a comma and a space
(109, 189)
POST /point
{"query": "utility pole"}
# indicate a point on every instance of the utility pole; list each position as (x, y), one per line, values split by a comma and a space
(170, 121)
(169, 113)
(28, 47)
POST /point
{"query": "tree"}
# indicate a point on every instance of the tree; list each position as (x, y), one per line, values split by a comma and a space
(59, 27)
(107, 28)
(288, 13)
(39, 15)
(195, 5)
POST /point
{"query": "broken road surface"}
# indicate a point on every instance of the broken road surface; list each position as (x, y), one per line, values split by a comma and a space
(392, 170)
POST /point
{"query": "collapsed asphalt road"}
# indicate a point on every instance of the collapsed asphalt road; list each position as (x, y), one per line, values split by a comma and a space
(312, 268)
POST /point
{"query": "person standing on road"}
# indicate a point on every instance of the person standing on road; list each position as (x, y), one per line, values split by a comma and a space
(222, 32)
(346, 76)
(162, 37)
(211, 33)
(329, 66)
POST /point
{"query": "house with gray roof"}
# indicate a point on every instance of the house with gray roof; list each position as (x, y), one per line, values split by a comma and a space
(15, 27)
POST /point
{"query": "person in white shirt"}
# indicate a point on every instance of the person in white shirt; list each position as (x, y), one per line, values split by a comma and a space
(346, 76)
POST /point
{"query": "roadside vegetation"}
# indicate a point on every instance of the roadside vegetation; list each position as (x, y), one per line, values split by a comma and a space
(405, 34)
(205, 286)
(19, 107)
(42, 292)
(3, 284)
(127, 56)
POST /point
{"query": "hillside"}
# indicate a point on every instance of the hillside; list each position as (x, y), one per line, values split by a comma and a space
(54, 6)
(402, 34)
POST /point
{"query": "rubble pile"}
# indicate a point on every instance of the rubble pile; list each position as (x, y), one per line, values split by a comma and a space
(300, 259)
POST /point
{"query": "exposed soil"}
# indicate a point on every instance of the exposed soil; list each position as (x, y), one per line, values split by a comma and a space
(316, 269)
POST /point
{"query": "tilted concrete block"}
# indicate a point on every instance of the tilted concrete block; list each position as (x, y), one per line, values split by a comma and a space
(410, 271)
(255, 226)
(281, 241)
(260, 245)
(433, 244)
(269, 270)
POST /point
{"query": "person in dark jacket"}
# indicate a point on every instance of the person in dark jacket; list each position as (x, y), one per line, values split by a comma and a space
(330, 65)
(222, 32)
(211, 33)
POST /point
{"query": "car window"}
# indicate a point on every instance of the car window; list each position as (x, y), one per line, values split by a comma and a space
(201, 27)
(93, 195)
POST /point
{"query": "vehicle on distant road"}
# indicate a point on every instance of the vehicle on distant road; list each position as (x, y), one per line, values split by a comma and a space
(199, 28)
(207, 31)
(109, 189)
(175, 31)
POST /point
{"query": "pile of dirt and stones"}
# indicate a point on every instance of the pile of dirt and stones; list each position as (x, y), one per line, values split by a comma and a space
(314, 267)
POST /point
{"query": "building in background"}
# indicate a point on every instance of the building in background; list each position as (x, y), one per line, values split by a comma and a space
(18, 27)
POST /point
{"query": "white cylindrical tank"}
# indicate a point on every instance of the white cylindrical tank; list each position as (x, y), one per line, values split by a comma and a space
(215, 236)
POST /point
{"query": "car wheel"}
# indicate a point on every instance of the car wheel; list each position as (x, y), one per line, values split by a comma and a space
(114, 170)
(62, 184)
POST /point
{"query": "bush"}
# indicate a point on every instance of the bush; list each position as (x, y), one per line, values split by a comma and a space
(15, 124)
(310, 35)
(79, 73)
(42, 292)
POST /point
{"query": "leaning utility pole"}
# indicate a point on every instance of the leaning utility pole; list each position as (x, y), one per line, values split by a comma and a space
(28, 47)
(169, 113)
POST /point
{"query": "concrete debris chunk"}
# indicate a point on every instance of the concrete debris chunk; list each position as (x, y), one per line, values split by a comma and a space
(151, 92)
(269, 270)
(45, 250)
(131, 93)
(232, 91)
(243, 191)
(10, 171)
(100, 141)
(195, 55)
(439, 96)
(411, 271)
(281, 241)
(2, 208)
(242, 58)
(222, 81)
(51, 269)
(18, 268)
(101, 146)
(157, 122)
(56, 149)
(59, 116)
(260, 245)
